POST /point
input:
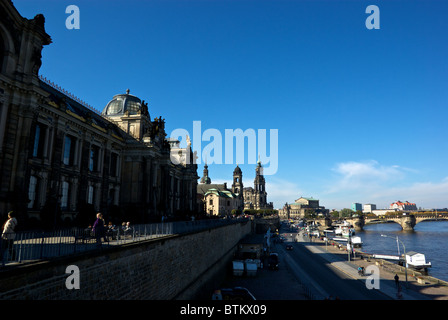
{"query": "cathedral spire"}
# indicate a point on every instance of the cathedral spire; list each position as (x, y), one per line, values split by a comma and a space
(205, 178)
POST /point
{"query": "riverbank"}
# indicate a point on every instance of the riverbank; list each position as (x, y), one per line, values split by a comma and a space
(429, 287)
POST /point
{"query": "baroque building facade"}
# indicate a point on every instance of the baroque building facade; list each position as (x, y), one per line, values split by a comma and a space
(59, 156)
(299, 208)
(218, 199)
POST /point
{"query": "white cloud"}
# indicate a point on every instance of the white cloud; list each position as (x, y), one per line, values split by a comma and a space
(423, 194)
(371, 182)
(355, 175)
(281, 191)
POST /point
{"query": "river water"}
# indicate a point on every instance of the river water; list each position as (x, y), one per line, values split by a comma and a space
(428, 237)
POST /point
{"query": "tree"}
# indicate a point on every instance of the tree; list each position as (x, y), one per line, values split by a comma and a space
(310, 213)
(346, 212)
(335, 214)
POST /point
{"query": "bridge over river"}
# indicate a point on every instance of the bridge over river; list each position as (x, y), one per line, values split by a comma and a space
(406, 221)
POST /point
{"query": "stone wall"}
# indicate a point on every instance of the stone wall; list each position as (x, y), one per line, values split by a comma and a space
(179, 267)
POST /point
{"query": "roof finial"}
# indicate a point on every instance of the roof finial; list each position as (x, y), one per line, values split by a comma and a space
(127, 91)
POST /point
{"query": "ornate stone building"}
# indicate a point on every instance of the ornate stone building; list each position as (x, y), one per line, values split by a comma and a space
(256, 197)
(217, 199)
(237, 197)
(299, 208)
(59, 156)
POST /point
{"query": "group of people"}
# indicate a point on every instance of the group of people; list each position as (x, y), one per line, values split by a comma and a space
(101, 230)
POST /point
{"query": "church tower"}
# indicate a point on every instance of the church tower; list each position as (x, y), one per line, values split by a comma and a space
(260, 187)
(205, 178)
(237, 186)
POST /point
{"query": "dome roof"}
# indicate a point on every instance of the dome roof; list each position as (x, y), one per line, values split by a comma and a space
(122, 103)
(237, 170)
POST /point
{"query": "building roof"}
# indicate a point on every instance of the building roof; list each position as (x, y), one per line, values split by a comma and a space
(73, 106)
(203, 188)
(123, 103)
(221, 193)
(309, 199)
(237, 170)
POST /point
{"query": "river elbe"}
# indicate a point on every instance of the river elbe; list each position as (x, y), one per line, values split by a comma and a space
(428, 237)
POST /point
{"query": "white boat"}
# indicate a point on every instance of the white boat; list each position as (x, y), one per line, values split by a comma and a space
(414, 259)
(356, 241)
(348, 231)
(344, 229)
(417, 260)
(338, 231)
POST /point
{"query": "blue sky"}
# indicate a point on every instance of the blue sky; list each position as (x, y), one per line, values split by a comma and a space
(361, 114)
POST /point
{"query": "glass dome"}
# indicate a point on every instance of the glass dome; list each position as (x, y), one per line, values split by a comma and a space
(122, 103)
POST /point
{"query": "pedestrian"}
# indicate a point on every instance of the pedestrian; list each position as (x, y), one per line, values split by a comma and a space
(399, 293)
(397, 281)
(8, 235)
(99, 229)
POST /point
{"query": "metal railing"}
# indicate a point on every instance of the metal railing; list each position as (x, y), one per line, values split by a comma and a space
(39, 245)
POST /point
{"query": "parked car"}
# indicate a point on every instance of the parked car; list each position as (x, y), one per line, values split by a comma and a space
(273, 261)
(289, 247)
(237, 293)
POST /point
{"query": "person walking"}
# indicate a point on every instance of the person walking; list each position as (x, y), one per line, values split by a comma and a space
(8, 235)
(397, 280)
(99, 229)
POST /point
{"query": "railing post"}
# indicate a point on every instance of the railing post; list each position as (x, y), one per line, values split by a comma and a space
(19, 253)
(42, 245)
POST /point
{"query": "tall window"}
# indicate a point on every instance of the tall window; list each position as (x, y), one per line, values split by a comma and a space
(39, 141)
(113, 164)
(90, 191)
(93, 158)
(69, 151)
(32, 192)
(65, 192)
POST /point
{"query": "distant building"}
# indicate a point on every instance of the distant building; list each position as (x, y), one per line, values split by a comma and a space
(368, 208)
(356, 207)
(217, 199)
(299, 208)
(403, 206)
(382, 212)
(256, 197)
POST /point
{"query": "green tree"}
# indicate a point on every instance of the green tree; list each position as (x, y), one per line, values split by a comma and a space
(346, 212)
(310, 213)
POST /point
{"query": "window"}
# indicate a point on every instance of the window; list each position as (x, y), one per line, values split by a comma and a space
(69, 151)
(211, 202)
(115, 107)
(132, 106)
(90, 191)
(39, 141)
(93, 158)
(64, 198)
(113, 165)
(32, 192)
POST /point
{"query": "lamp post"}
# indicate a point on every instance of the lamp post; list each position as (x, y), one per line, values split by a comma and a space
(405, 259)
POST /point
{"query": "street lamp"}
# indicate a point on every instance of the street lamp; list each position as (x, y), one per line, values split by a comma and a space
(405, 259)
